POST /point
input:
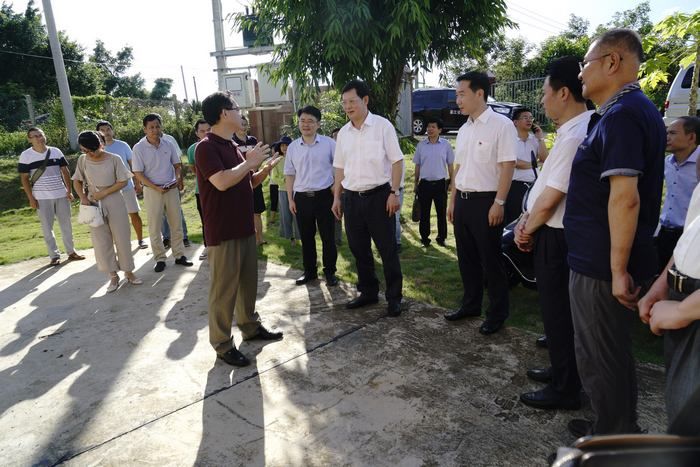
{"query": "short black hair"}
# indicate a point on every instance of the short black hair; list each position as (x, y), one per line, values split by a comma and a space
(519, 112)
(563, 73)
(359, 86)
(437, 120)
(152, 117)
(32, 128)
(214, 104)
(90, 140)
(199, 122)
(477, 80)
(691, 124)
(626, 39)
(310, 110)
(102, 123)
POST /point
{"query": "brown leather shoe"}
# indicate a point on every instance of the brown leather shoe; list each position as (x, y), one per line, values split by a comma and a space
(75, 256)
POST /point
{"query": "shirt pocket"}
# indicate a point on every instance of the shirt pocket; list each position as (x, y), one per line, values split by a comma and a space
(482, 152)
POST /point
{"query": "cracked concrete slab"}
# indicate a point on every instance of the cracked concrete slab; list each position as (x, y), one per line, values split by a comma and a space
(129, 378)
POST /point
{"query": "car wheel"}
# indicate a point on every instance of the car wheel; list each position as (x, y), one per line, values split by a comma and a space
(418, 125)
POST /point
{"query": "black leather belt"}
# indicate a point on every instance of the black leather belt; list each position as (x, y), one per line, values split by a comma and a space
(364, 194)
(432, 182)
(311, 194)
(475, 194)
(681, 283)
(672, 230)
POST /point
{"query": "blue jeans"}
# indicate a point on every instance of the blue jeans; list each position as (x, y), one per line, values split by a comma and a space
(165, 228)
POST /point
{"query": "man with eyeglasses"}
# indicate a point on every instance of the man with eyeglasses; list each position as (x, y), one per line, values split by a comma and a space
(309, 170)
(226, 177)
(369, 166)
(524, 174)
(51, 192)
(612, 210)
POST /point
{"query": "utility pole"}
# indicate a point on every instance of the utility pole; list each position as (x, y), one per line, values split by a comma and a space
(219, 42)
(61, 76)
(30, 107)
(196, 96)
(183, 83)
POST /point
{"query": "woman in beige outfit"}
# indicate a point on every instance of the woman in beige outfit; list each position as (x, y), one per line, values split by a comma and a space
(105, 175)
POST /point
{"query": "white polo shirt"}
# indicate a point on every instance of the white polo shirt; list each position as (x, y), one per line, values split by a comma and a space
(480, 147)
(367, 155)
(556, 170)
(524, 151)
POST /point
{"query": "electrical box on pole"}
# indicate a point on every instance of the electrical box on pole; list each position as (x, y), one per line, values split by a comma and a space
(250, 35)
(242, 88)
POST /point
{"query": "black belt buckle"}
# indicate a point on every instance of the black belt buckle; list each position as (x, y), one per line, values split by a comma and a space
(310, 194)
(678, 279)
(364, 194)
(464, 194)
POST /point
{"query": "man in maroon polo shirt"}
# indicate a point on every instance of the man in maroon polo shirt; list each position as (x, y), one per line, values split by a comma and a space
(226, 180)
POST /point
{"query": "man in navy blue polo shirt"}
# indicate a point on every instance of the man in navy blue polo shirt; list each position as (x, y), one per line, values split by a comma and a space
(611, 213)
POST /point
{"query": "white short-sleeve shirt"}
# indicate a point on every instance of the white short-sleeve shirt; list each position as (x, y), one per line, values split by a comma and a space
(367, 155)
(481, 145)
(556, 170)
(687, 252)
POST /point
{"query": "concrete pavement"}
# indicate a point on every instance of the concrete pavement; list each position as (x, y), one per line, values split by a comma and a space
(129, 378)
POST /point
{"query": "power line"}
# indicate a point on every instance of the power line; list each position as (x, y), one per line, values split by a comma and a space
(515, 5)
(538, 19)
(536, 27)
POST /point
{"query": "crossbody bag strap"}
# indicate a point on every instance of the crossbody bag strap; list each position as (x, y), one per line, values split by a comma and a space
(40, 171)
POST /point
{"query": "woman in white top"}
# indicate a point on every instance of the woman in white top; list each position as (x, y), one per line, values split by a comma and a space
(105, 175)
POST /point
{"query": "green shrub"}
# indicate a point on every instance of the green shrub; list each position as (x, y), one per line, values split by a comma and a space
(12, 144)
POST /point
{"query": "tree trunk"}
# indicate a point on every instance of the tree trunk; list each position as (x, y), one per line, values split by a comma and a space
(693, 101)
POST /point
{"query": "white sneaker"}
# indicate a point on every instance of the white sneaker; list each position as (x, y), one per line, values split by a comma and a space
(203, 256)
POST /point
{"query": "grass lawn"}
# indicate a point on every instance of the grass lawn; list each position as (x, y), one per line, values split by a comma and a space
(430, 276)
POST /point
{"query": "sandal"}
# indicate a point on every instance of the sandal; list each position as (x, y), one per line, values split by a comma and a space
(135, 280)
(112, 287)
(55, 261)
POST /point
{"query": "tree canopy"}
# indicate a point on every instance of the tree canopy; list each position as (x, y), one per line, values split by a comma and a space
(374, 40)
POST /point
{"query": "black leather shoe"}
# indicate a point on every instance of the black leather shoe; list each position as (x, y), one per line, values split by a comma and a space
(541, 375)
(166, 243)
(331, 280)
(441, 242)
(551, 458)
(424, 244)
(578, 427)
(234, 357)
(361, 301)
(461, 313)
(183, 261)
(490, 326)
(306, 277)
(265, 335)
(160, 265)
(395, 309)
(539, 400)
(541, 342)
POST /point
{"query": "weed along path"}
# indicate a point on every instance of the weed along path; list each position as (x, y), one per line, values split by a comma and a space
(129, 378)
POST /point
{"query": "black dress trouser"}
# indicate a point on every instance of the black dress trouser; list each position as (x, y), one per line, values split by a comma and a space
(428, 193)
(367, 219)
(312, 211)
(552, 272)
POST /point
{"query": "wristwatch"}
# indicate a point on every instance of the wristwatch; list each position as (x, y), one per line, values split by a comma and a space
(500, 202)
(397, 193)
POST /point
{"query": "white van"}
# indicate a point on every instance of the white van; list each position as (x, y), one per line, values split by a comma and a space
(679, 95)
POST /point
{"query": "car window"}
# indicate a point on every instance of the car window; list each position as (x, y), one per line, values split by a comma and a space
(420, 98)
(451, 97)
(688, 78)
(436, 98)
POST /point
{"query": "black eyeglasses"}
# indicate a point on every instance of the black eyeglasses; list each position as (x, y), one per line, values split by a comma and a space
(582, 64)
(234, 108)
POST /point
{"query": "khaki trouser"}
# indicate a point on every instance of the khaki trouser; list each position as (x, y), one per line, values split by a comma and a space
(233, 290)
(155, 203)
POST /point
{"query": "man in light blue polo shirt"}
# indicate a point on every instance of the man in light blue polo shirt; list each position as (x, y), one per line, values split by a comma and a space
(434, 157)
(157, 165)
(681, 179)
(130, 191)
(309, 171)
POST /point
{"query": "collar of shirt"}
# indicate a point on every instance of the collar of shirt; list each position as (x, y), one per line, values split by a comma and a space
(439, 140)
(693, 158)
(316, 140)
(148, 143)
(369, 121)
(582, 117)
(483, 118)
(218, 139)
